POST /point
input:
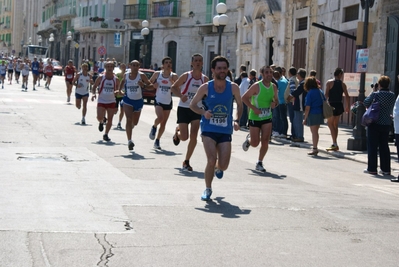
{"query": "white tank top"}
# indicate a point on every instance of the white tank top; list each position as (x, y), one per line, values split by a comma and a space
(106, 92)
(190, 88)
(10, 65)
(164, 93)
(132, 88)
(83, 83)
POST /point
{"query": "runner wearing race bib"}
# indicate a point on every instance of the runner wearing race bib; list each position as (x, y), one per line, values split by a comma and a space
(107, 85)
(69, 72)
(185, 88)
(35, 71)
(48, 70)
(133, 98)
(162, 81)
(25, 75)
(10, 68)
(260, 98)
(216, 123)
(3, 71)
(82, 82)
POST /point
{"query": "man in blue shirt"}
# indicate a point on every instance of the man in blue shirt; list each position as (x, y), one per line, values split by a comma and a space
(281, 109)
(35, 71)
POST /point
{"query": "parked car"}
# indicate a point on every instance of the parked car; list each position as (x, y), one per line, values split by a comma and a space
(148, 95)
(58, 69)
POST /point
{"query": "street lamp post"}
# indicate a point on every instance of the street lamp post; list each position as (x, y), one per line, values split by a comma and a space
(220, 21)
(22, 48)
(359, 140)
(144, 32)
(39, 40)
(51, 40)
(69, 39)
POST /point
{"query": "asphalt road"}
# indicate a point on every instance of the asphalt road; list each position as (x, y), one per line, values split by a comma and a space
(67, 198)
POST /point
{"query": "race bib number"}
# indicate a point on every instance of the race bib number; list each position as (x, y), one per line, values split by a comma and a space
(218, 120)
(69, 76)
(265, 112)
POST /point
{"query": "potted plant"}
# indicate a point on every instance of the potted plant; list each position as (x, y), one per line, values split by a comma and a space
(117, 19)
(94, 19)
(35, 24)
(101, 19)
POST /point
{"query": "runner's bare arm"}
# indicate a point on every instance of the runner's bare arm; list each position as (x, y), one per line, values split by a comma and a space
(236, 93)
(145, 83)
(253, 90)
(176, 86)
(201, 93)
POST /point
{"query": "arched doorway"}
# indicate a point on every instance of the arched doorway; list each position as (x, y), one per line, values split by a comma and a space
(392, 53)
(172, 51)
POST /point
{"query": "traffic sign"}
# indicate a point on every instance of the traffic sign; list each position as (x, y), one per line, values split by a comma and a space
(102, 50)
(76, 45)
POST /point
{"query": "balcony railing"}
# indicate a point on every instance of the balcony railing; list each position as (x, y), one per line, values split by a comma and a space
(108, 24)
(140, 11)
(44, 25)
(168, 9)
(66, 11)
(83, 22)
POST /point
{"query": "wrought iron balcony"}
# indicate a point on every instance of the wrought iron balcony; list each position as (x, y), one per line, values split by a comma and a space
(166, 9)
(136, 12)
(66, 12)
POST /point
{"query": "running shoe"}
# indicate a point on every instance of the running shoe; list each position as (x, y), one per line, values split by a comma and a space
(219, 173)
(186, 166)
(100, 126)
(176, 139)
(106, 138)
(333, 148)
(246, 144)
(130, 145)
(206, 195)
(153, 132)
(119, 126)
(157, 145)
(34, 89)
(83, 121)
(259, 167)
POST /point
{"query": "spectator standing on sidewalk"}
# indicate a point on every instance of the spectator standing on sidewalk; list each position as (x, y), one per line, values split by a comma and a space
(334, 90)
(244, 86)
(396, 125)
(313, 111)
(292, 84)
(378, 132)
(281, 109)
(243, 68)
(298, 95)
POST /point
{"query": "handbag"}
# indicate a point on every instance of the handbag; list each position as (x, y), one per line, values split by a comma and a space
(372, 113)
(328, 111)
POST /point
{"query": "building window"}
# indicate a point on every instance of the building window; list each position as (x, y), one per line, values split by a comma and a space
(302, 24)
(351, 13)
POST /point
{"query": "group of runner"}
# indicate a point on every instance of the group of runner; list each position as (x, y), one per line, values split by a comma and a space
(204, 103)
(40, 70)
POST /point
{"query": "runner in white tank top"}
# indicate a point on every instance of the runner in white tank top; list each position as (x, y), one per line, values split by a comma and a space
(186, 87)
(107, 85)
(162, 81)
(164, 94)
(82, 81)
(133, 98)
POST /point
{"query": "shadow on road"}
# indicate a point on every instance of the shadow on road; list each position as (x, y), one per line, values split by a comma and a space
(199, 175)
(134, 155)
(267, 174)
(227, 210)
(165, 152)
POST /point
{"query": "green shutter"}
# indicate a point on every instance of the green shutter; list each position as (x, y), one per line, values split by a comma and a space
(209, 5)
(142, 9)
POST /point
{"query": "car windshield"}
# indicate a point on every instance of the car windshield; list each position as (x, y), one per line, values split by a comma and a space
(55, 64)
